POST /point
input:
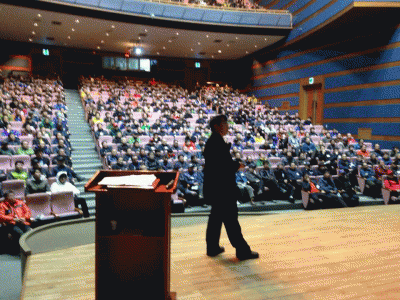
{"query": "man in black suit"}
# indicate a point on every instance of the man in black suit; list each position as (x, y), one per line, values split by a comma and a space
(220, 190)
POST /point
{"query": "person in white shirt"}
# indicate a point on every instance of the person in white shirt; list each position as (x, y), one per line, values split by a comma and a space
(62, 185)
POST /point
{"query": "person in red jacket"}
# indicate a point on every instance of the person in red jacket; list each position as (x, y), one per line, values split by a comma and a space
(15, 214)
(392, 184)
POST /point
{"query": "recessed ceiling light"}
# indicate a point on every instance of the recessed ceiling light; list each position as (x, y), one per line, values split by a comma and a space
(198, 43)
(107, 34)
(112, 26)
(207, 36)
(102, 41)
(145, 30)
(265, 39)
(191, 49)
(219, 51)
(237, 38)
(35, 24)
(169, 41)
(212, 56)
(76, 21)
(163, 47)
(73, 29)
(177, 33)
(158, 53)
(247, 52)
(255, 46)
(139, 38)
(98, 47)
(39, 15)
(227, 45)
(33, 32)
(69, 37)
(30, 40)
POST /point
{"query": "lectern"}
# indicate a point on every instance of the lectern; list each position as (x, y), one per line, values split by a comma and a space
(133, 237)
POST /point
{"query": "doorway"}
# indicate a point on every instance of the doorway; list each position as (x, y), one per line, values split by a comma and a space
(312, 103)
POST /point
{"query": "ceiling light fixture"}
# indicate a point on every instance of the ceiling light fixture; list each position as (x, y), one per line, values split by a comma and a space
(247, 52)
(30, 40)
(39, 15)
(98, 47)
(219, 51)
(76, 21)
(164, 47)
(107, 34)
(158, 53)
(35, 24)
(112, 26)
(69, 37)
(145, 30)
(207, 36)
(237, 38)
(169, 41)
(198, 43)
(255, 46)
(33, 32)
(177, 33)
(102, 42)
(73, 29)
(212, 56)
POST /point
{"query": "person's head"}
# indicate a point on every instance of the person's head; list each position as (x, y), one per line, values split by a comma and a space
(344, 157)
(19, 164)
(342, 173)
(386, 155)
(151, 155)
(390, 174)
(219, 125)
(327, 175)
(181, 158)
(60, 161)
(134, 159)
(281, 166)
(37, 174)
(191, 168)
(25, 145)
(266, 165)
(120, 160)
(363, 148)
(293, 166)
(372, 156)
(114, 152)
(9, 197)
(377, 147)
(306, 177)
(62, 177)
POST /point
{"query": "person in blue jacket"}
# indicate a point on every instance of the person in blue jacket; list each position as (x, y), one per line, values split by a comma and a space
(330, 193)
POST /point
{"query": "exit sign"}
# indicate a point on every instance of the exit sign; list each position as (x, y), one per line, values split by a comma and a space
(311, 80)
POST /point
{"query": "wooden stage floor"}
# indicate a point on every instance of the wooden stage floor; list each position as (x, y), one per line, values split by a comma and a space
(351, 253)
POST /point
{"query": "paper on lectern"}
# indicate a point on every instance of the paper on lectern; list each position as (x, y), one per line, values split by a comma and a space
(143, 181)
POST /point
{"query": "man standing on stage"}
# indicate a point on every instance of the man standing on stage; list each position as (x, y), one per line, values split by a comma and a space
(221, 192)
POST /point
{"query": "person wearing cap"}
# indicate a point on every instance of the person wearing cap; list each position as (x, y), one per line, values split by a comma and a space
(392, 183)
(346, 189)
(220, 190)
(61, 166)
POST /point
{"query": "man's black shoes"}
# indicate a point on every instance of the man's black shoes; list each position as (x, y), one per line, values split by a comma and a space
(215, 252)
(247, 255)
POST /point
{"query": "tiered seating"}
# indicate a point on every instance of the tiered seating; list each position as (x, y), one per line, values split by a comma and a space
(143, 105)
(26, 103)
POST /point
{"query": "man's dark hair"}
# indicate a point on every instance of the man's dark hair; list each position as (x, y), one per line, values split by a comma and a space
(19, 162)
(38, 150)
(217, 120)
(6, 193)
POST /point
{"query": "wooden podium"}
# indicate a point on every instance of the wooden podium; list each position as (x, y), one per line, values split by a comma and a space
(133, 237)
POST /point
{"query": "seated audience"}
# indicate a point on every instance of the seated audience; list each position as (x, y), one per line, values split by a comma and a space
(392, 184)
(18, 173)
(37, 183)
(15, 214)
(62, 185)
(25, 149)
(346, 190)
(331, 195)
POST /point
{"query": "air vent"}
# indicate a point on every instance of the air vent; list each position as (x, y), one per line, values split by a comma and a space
(58, 23)
(50, 38)
(217, 41)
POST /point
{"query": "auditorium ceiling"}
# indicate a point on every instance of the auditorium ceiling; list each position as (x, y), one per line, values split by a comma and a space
(49, 28)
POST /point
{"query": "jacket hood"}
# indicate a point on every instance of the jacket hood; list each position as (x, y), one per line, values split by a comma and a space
(59, 174)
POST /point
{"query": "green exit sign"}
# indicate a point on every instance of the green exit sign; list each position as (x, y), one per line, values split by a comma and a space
(311, 80)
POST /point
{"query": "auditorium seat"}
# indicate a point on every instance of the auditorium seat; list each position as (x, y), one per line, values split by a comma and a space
(63, 205)
(17, 186)
(5, 162)
(39, 204)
